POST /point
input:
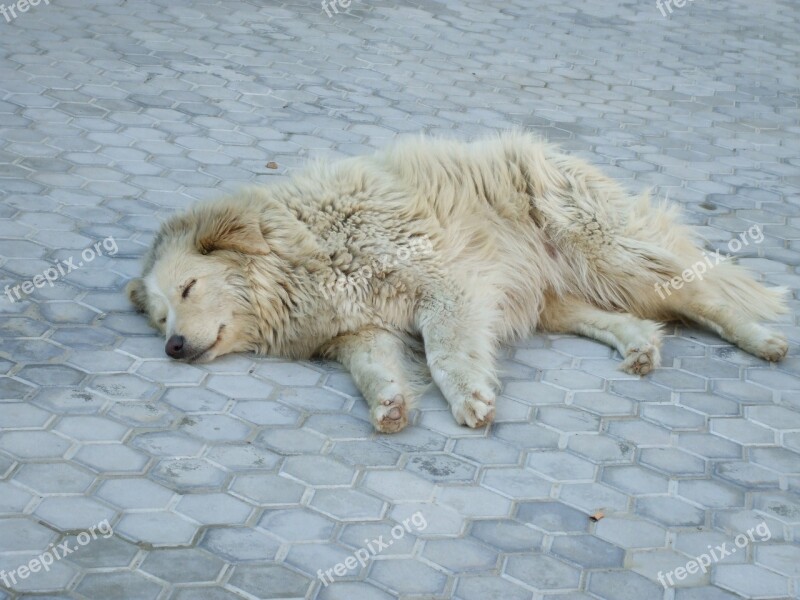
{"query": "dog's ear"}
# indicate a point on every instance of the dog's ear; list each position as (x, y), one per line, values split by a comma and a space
(226, 231)
(137, 293)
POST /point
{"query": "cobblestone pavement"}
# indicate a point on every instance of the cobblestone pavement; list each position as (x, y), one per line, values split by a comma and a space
(245, 477)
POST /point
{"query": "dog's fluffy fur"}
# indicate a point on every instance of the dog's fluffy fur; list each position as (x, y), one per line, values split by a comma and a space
(487, 241)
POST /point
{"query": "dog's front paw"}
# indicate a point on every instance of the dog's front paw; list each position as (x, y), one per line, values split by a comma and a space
(641, 359)
(390, 415)
(475, 410)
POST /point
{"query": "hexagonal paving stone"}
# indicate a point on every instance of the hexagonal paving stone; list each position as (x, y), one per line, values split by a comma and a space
(21, 415)
(631, 532)
(625, 585)
(552, 517)
(348, 505)
(441, 467)
(34, 444)
(565, 418)
(398, 486)
(192, 399)
(159, 528)
(337, 427)
(22, 534)
(188, 474)
(214, 508)
(669, 511)
(111, 458)
(365, 453)
(672, 461)
(750, 581)
(783, 559)
(54, 478)
(239, 544)
(183, 565)
(409, 575)
(242, 457)
(312, 399)
(781, 460)
(107, 551)
(288, 373)
(124, 387)
(214, 428)
(121, 584)
(167, 443)
(267, 489)
(601, 448)
(263, 412)
(491, 586)
(517, 483)
(318, 470)
(13, 499)
(587, 551)
(296, 525)
(270, 581)
(561, 466)
(542, 572)
(73, 512)
(380, 537)
(237, 386)
(711, 494)
(439, 520)
(88, 428)
(460, 555)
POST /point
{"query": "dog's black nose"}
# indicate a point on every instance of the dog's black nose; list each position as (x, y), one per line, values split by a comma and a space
(176, 346)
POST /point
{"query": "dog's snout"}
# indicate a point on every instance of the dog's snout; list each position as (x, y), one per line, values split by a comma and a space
(176, 346)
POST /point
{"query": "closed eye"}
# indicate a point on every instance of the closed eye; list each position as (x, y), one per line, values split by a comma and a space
(188, 287)
(162, 320)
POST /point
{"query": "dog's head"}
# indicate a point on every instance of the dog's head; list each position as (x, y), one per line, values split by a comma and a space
(194, 288)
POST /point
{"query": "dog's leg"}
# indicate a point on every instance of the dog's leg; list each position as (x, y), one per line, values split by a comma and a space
(730, 302)
(459, 349)
(735, 326)
(375, 358)
(637, 340)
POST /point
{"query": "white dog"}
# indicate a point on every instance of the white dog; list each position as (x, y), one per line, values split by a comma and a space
(451, 246)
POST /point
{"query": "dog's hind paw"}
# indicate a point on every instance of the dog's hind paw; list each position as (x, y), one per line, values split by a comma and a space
(773, 348)
(475, 410)
(390, 415)
(640, 360)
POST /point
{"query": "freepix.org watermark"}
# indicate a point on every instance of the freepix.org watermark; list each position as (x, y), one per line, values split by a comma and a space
(54, 553)
(21, 6)
(52, 274)
(382, 263)
(373, 548)
(668, 4)
(327, 5)
(701, 267)
(715, 554)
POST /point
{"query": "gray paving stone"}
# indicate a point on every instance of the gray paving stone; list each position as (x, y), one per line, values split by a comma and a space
(157, 107)
(132, 584)
(542, 572)
(240, 544)
(182, 565)
(460, 555)
(553, 517)
(477, 588)
(750, 581)
(269, 581)
(162, 528)
(214, 508)
(409, 575)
